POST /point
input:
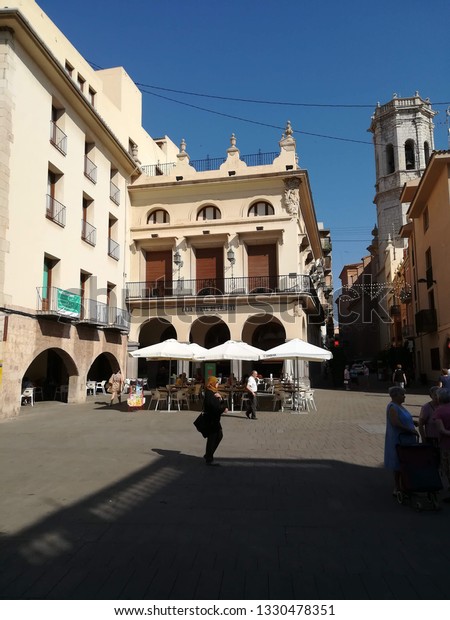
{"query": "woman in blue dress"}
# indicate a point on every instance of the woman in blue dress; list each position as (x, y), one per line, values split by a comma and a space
(398, 421)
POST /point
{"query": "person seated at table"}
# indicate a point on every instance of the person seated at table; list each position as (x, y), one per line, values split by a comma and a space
(198, 377)
(162, 377)
(181, 380)
(231, 380)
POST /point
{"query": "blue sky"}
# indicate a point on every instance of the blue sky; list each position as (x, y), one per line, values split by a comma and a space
(347, 53)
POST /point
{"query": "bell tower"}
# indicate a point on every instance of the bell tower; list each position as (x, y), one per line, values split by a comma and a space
(403, 140)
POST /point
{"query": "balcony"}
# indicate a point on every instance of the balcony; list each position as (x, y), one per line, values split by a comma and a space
(256, 285)
(90, 169)
(94, 313)
(114, 193)
(210, 163)
(55, 211)
(327, 264)
(113, 249)
(408, 331)
(118, 319)
(326, 245)
(88, 233)
(58, 303)
(405, 295)
(58, 138)
(426, 321)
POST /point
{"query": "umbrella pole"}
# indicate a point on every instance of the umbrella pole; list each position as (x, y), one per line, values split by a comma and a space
(168, 389)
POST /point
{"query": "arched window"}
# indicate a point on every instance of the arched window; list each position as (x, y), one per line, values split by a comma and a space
(261, 208)
(209, 213)
(390, 161)
(426, 152)
(410, 159)
(158, 217)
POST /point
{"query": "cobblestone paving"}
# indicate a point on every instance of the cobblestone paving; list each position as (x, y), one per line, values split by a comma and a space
(100, 503)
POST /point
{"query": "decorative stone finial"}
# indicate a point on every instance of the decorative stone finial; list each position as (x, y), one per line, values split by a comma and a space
(289, 130)
(183, 146)
(233, 140)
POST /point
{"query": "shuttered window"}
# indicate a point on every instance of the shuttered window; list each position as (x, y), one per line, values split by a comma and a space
(158, 273)
(262, 267)
(209, 270)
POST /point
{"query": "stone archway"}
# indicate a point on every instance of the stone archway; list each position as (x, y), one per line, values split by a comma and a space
(210, 331)
(265, 332)
(51, 369)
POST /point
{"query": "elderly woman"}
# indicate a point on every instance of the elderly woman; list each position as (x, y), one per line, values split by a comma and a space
(441, 419)
(399, 422)
(427, 428)
(213, 407)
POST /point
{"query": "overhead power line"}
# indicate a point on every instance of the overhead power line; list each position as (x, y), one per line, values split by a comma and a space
(268, 102)
(248, 120)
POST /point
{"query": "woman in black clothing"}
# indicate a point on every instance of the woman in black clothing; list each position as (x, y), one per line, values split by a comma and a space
(213, 408)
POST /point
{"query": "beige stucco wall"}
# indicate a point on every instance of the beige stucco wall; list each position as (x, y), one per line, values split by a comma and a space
(33, 53)
(434, 193)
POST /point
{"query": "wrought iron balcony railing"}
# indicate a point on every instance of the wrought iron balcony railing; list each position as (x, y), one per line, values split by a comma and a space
(70, 304)
(114, 193)
(58, 138)
(255, 285)
(88, 233)
(113, 249)
(210, 163)
(408, 331)
(90, 169)
(55, 211)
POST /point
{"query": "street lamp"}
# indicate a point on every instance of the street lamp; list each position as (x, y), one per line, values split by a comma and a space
(177, 259)
(231, 259)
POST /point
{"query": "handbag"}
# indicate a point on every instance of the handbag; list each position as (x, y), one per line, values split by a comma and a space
(108, 387)
(201, 423)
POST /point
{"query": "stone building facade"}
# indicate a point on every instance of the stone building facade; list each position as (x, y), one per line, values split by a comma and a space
(403, 137)
(230, 253)
(71, 142)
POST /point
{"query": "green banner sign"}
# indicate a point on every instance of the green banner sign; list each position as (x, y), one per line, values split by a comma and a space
(68, 304)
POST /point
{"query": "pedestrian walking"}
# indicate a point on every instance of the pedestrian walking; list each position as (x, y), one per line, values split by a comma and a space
(347, 378)
(116, 382)
(444, 379)
(399, 377)
(252, 389)
(213, 407)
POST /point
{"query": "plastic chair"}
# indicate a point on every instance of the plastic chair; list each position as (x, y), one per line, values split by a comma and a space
(90, 387)
(244, 399)
(61, 391)
(38, 392)
(196, 392)
(180, 397)
(310, 403)
(284, 398)
(28, 394)
(159, 396)
(100, 385)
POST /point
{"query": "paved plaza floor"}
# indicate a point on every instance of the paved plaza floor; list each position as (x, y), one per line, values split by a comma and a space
(100, 503)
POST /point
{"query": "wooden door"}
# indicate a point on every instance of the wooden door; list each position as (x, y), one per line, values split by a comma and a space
(209, 270)
(158, 273)
(262, 267)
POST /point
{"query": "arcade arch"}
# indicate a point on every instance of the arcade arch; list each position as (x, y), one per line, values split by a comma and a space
(51, 369)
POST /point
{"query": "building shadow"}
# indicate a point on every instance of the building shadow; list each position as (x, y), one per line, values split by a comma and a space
(251, 529)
